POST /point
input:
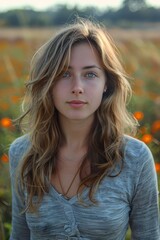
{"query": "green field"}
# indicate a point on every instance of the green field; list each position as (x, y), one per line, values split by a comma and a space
(140, 51)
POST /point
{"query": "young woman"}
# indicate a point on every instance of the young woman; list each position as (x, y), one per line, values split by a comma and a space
(76, 174)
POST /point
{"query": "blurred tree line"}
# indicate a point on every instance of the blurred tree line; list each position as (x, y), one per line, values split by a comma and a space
(130, 12)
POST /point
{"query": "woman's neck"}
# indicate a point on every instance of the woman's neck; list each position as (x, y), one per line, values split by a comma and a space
(76, 132)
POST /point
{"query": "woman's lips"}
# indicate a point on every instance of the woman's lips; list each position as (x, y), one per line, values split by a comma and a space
(76, 103)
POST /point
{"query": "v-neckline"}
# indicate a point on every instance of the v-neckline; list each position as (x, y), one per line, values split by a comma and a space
(60, 196)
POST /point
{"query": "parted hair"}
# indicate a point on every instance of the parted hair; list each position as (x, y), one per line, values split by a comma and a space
(40, 118)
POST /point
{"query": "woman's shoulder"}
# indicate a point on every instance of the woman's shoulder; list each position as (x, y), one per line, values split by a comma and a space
(136, 149)
(18, 148)
(20, 144)
(138, 163)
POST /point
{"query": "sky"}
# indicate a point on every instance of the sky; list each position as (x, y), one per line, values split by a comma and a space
(44, 4)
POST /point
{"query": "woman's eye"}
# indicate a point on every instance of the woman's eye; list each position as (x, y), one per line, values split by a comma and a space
(91, 75)
(66, 74)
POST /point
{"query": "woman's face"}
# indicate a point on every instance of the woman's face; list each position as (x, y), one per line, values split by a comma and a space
(78, 92)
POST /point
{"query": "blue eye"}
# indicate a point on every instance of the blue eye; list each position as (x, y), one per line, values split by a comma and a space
(66, 75)
(91, 75)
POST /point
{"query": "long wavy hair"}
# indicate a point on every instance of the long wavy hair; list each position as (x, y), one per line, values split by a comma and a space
(40, 118)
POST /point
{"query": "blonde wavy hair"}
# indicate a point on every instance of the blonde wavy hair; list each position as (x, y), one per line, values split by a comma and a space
(112, 120)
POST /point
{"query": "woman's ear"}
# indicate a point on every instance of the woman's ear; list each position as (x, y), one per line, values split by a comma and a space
(105, 89)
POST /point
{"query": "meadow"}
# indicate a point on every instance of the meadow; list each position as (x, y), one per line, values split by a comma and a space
(140, 54)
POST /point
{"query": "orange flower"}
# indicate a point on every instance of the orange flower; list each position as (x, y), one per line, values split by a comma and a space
(157, 165)
(4, 158)
(6, 122)
(15, 99)
(156, 126)
(147, 138)
(138, 115)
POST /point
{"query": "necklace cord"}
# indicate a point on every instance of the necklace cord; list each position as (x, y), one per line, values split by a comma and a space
(70, 185)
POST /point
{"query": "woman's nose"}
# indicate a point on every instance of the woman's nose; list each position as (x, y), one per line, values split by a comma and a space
(77, 87)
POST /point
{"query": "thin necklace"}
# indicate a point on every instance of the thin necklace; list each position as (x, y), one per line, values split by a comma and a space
(60, 183)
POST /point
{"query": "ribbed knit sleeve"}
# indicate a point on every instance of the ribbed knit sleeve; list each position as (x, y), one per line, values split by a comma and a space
(20, 228)
(144, 217)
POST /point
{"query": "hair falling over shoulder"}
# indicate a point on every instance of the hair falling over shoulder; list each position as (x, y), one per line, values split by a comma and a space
(40, 119)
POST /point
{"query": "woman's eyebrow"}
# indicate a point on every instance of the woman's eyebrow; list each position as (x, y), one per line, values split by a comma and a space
(87, 67)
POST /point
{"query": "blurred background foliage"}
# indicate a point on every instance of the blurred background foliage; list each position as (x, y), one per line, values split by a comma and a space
(138, 39)
(128, 14)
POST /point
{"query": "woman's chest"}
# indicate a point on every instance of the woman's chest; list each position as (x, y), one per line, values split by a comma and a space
(109, 216)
